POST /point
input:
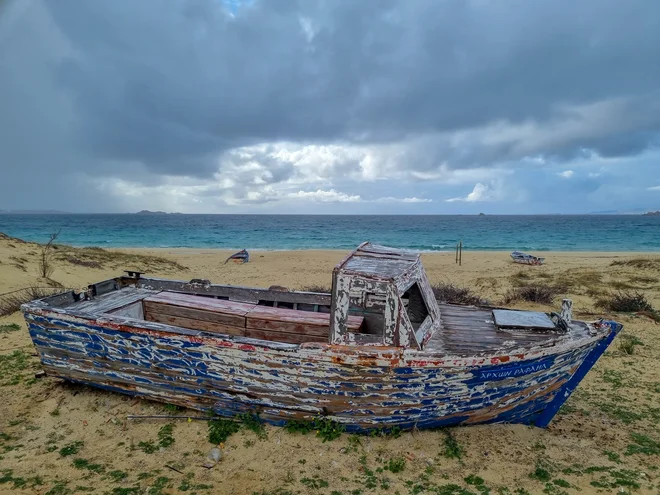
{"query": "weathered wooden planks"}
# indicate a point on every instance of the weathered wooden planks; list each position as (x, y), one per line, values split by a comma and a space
(212, 316)
(384, 268)
(276, 319)
(279, 336)
(206, 326)
(198, 313)
(114, 300)
(360, 387)
(284, 325)
(235, 293)
(375, 279)
(467, 330)
(201, 302)
(235, 318)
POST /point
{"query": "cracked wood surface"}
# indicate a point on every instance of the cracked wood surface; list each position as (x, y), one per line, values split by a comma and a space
(361, 387)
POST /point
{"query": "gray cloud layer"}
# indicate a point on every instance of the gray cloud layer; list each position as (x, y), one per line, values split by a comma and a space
(148, 89)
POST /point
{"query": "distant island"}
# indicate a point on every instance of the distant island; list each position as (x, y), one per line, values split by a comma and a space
(652, 214)
(148, 212)
(633, 211)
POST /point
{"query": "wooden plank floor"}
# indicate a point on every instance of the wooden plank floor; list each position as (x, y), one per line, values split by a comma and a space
(112, 300)
(467, 331)
(235, 318)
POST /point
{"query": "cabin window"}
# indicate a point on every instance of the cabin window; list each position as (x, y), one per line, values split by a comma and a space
(413, 300)
(371, 307)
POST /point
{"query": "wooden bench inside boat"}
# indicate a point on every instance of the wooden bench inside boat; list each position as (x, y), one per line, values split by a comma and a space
(243, 319)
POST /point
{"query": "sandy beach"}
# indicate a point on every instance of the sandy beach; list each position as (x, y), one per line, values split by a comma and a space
(604, 441)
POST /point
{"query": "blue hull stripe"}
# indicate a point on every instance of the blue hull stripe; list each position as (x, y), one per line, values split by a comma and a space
(284, 384)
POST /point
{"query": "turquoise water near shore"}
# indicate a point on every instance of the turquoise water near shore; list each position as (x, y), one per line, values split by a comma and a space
(284, 232)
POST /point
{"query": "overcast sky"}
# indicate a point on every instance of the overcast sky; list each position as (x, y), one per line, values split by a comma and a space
(330, 106)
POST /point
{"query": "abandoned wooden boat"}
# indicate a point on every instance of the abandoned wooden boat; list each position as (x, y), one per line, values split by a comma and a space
(377, 352)
(526, 259)
(241, 257)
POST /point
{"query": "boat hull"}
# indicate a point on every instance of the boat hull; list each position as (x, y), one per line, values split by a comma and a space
(361, 387)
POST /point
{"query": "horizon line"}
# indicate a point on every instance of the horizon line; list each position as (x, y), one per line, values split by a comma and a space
(159, 214)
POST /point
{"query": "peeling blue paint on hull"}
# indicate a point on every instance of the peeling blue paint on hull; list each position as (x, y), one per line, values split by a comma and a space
(363, 389)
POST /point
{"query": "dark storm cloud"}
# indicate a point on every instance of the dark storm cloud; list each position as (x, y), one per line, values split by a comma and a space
(170, 87)
(167, 83)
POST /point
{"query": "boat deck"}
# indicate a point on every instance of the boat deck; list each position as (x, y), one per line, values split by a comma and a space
(111, 301)
(465, 330)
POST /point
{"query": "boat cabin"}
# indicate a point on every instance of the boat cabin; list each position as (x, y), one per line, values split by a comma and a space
(388, 288)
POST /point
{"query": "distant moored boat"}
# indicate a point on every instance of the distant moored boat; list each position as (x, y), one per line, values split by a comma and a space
(241, 257)
(526, 259)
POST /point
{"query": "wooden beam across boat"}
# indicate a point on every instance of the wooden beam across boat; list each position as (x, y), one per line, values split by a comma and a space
(236, 318)
(232, 292)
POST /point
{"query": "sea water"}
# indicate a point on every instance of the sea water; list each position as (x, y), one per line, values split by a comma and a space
(283, 232)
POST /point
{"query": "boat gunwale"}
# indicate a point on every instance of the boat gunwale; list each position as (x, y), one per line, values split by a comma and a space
(405, 357)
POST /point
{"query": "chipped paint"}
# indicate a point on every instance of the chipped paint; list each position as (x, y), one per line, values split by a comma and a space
(401, 377)
(376, 278)
(363, 387)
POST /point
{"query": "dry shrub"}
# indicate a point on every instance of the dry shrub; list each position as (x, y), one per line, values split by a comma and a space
(627, 343)
(54, 284)
(625, 302)
(654, 315)
(322, 289)
(19, 262)
(633, 282)
(446, 292)
(620, 285)
(46, 256)
(586, 278)
(639, 263)
(96, 257)
(520, 278)
(574, 281)
(6, 237)
(545, 287)
(560, 282)
(11, 302)
(638, 279)
(539, 293)
(487, 282)
(77, 261)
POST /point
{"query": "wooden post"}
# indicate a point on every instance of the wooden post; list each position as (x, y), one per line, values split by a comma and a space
(457, 252)
(460, 254)
(567, 310)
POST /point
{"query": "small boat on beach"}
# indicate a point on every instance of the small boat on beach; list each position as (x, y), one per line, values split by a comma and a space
(526, 259)
(377, 352)
(241, 257)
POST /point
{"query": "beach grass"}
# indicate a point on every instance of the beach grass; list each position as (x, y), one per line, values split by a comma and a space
(99, 258)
